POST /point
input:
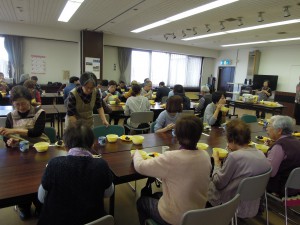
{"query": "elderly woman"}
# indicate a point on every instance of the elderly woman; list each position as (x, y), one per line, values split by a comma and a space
(73, 186)
(36, 97)
(147, 89)
(185, 176)
(167, 118)
(204, 100)
(82, 100)
(212, 114)
(24, 122)
(284, 154)
(243, 161)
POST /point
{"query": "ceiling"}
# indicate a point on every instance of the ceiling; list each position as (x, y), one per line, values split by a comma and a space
(119, 17)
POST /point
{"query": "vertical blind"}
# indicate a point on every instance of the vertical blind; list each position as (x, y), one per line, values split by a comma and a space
(170, 68)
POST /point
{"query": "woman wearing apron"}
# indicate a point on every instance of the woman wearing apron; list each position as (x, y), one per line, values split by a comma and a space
(82, 100)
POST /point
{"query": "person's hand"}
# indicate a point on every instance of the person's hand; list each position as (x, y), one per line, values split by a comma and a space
(105, 123)
(216, 158)
(170, 126)
(6, 131)
(269, 142)
(219, 106)
(117, 100)
(12, 142)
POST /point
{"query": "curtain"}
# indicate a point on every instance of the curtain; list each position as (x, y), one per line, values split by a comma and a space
(124, 55)
(14, 48)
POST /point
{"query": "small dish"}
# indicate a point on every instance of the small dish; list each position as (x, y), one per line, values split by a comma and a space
(296, 134)
(262, 138)
(202, 146)
(222, 152)
(126, 137)
(263, 148)
(59, 143)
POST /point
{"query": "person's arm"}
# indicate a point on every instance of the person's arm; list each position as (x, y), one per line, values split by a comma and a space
(127, 109)
(160, 126)
(200, 105)
(156, 167)
(71, 108)
(128, 94)
(109, 191)
(209, 115)
(38, 97)
(275, 156)
(42, 193)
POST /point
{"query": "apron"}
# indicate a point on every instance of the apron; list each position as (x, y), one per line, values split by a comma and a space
(28, 123)
(84, 110)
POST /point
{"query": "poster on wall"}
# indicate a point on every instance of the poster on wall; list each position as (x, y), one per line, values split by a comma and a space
(38, 64)
(92, 65)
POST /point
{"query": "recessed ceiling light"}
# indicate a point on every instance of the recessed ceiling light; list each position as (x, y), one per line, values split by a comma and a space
(69, 9)
(185, 14)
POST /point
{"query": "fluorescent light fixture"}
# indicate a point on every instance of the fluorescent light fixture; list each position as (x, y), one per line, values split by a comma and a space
(69, 9)
(185, 14)
(262, 42)
(245, 29)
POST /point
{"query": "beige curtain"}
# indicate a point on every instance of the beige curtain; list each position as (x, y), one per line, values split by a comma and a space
(124, 55)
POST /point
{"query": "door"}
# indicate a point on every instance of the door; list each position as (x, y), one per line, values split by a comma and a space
(226, 74)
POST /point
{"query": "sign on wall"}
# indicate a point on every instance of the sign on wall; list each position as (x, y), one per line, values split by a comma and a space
(38, 64)
(92, 65)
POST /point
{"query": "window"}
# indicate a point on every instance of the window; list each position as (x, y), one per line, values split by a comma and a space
(170, 68)
(3, 58)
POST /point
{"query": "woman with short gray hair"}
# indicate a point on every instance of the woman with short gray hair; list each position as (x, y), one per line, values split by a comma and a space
(284, 154)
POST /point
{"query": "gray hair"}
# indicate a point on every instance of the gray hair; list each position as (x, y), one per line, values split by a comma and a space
(205, 89)
(285, 123)
(24, 77)
(148, 83)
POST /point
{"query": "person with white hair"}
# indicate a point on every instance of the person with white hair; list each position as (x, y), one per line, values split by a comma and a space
(204, 100)
(284, 153)
(23, 78)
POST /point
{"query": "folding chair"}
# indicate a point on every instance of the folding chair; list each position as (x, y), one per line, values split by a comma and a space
(249, 118)
(252, 188)
(139, 118)
(98, 121)
(152, 127)
(293, 182)
(51, 134)
(112, 129)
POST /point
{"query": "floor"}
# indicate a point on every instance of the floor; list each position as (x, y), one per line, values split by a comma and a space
(125, 209)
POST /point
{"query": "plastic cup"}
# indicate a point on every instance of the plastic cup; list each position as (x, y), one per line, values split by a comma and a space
(24, 146)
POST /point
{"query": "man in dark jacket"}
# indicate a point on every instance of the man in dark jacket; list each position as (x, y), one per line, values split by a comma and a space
(161, 91)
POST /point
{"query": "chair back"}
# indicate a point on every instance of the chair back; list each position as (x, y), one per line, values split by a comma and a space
(112, 129)
(188, 111)
(293, 180)
(218, 215)
(249, 118)
(2, 121)
(51, 134)
(105, 220)
(141, 117)
(98, 121)
(164, 99)
(252, 188)
(152, 127)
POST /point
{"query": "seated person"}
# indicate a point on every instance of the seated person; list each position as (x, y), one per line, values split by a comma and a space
(36, 85)
(147, 90)
(212, 114)
(161, 91)
(73, 82)
(3, 85)
(73, 186)
(178, 90)
(264, 95)
(111, 94)
(284, 153)
(167, 118)
(184, 173)
(104, 85)
(136, 103)
(122, 88)
(243, 161)
(23, 78)
(204, 100)
(26, 122)
(36, 97)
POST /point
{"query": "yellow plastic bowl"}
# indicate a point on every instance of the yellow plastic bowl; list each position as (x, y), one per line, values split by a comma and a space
(224, 109)
(262, 148)
(137, 139)
(41, 146)
(112, 138)
(151, 101)
(222, 152)
(112, 102)
(202, 146)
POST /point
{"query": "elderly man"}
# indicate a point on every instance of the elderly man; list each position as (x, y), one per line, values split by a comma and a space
(284, 153)
(204, 100)
(161, 91)
(147, 90)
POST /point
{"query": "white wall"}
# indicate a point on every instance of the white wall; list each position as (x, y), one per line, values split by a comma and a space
(60, 56)
(208, 69)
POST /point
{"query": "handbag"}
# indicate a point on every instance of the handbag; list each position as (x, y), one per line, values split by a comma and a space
(147, 190)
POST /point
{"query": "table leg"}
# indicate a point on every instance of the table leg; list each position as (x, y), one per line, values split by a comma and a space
(112, 204)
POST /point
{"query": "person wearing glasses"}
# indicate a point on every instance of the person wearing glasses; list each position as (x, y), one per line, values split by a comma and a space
(24, 122)
(82, 100)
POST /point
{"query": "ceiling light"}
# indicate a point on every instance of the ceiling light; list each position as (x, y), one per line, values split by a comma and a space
(183, 33)
(240, 21)
(222, 25)
(245, 29)
(262, 42)
(185, 14)
(286, 12)
(194, 30)
(207, 27)
(69, 9)
(260, 17)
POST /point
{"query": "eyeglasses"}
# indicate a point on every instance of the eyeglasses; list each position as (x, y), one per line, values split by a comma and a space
(20, 104)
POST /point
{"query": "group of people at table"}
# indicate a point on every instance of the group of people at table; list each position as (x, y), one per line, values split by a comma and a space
(73, 186)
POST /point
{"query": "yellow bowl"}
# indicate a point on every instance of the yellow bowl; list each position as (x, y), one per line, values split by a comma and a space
(151, 101)
(262, 148)
(202, 146)
(112, 102)
(224, 109)
(137, 139)
(222, 152)
(112, 138)
(154, 93)
(41, 146)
